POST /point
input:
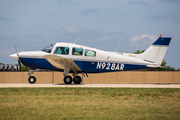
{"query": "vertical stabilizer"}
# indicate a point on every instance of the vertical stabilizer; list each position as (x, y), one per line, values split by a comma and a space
(156, 52)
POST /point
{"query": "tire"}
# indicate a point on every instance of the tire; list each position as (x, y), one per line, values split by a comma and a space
(68, 79)
(77, 80)
(32, 79)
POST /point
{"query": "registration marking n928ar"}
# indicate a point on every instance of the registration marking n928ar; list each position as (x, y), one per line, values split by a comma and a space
(109, 66)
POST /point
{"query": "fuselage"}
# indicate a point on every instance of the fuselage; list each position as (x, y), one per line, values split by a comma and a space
(89, 60)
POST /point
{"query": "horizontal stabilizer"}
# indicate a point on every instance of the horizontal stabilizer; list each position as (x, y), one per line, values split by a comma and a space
(151, 66)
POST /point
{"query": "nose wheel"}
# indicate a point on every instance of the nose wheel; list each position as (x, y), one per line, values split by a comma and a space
(32, 79)
(68, 79)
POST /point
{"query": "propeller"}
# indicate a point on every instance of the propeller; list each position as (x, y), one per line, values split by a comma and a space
(19, 61)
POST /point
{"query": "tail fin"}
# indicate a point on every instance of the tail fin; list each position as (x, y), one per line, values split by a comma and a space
(156, 52)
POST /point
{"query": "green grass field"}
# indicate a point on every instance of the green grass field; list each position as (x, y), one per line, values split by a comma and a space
(89, 103)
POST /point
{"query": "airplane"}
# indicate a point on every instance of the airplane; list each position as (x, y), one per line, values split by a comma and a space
(76, 59)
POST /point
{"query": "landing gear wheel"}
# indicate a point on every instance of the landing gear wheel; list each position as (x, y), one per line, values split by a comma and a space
(32, 79)
(68, 79)
(77, 80)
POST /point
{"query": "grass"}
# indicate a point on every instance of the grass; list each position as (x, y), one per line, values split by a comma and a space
(89, 103)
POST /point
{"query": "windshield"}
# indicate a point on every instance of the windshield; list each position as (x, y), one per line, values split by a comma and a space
(48, 48)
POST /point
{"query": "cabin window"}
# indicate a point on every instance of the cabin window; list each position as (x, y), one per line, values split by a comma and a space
(90, 53)
(77, 51)
(62, 50)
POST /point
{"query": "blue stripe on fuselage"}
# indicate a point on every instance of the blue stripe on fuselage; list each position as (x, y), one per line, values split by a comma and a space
(85, 66)
(37, 63)
(98, 67)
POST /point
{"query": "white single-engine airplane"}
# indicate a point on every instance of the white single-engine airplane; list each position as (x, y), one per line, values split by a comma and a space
(75, 59)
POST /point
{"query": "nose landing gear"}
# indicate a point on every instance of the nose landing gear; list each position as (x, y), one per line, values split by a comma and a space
(31, 79)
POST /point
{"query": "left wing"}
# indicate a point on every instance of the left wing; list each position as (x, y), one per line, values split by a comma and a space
(62, 63)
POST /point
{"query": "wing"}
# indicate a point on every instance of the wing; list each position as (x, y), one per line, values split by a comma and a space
(62, 63)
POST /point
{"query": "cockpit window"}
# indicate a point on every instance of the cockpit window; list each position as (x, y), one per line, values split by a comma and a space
(90, 53)
(62, 50)
(48, 48)
(77, 51)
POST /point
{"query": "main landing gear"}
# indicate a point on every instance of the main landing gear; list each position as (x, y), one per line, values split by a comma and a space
(68, 79)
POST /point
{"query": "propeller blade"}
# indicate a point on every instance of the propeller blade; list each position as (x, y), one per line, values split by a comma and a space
(19, 61)
(16, 51)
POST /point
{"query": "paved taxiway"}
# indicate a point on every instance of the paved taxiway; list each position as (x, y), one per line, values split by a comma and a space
(95, 85)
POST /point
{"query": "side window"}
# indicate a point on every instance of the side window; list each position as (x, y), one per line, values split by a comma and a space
(62, 50)
(90, 53)
(77, 51)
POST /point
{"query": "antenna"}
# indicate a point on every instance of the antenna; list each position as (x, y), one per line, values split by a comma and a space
(77, 39)
(117, 48)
